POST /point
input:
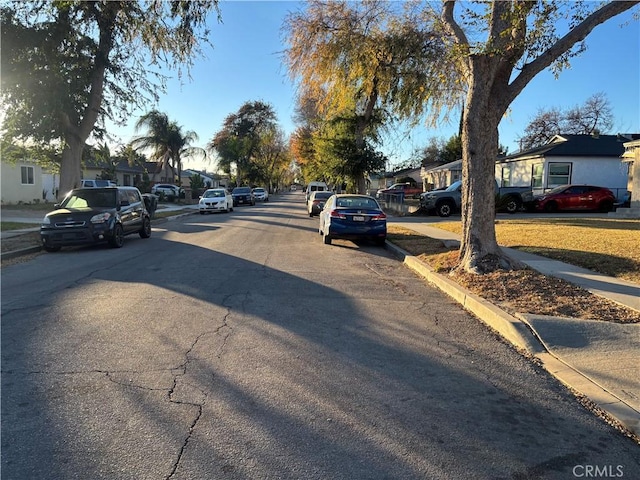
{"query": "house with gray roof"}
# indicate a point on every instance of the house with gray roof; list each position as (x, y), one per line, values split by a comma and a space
(569, 159)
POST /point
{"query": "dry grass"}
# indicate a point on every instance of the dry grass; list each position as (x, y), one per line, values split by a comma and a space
(522, 291)
(608, 246)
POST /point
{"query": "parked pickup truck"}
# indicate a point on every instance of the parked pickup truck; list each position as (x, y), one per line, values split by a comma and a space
(446, 202)
(409, 190)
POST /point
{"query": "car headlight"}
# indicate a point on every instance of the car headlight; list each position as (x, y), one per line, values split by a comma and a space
(46, 221)
(101, 217)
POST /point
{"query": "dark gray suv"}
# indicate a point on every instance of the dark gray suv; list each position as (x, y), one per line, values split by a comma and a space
(95, 215)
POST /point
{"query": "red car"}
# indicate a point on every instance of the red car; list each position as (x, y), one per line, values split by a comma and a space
(576, 197)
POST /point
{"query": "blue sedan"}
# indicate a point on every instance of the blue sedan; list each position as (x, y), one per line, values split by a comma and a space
(353, 217)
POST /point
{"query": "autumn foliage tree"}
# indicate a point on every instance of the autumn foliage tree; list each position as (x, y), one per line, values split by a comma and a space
(353, 57)
(426, 60)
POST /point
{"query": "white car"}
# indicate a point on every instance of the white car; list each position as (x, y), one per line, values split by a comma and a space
(215, 200)
(261, 194)
(316, 201)
(315, 187)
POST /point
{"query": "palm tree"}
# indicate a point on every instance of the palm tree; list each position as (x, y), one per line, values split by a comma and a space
(180, 145)
(166, 140)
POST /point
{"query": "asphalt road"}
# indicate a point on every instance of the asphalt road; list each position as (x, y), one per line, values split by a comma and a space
(237, 346)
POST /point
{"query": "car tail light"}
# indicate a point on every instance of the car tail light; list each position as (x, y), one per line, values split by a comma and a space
(380, 216)
(337, 214)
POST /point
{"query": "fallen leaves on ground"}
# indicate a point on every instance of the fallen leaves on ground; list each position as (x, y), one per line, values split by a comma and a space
(517, 291)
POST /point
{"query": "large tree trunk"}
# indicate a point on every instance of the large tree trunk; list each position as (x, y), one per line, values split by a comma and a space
(491, 91)
(479, 250)
(78, 128)
(71, 168)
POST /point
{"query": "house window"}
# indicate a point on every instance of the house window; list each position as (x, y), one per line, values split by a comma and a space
(126, 180)
(27, 175)
(506, 176)
(536, 175)
(559, 174)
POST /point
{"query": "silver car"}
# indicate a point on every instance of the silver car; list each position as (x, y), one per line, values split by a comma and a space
(261, 194)
(167, 190)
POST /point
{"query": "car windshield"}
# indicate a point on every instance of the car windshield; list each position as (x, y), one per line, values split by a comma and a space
(90, 199)
(454, 186)
(356, 202)
(213, 194)
(322, 195)
(241, 190)
(258, 190)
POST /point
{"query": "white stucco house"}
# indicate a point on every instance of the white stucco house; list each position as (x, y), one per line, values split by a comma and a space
(569, 159)
(631, 157)
(442, 175)
(209, 180)
(27, 182)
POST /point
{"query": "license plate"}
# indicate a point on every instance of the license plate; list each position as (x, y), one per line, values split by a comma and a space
(358, 218)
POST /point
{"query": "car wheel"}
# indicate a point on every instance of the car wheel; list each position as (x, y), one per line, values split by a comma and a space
(117, 239)
(50, 249)
(311, 214)
(326, 239)
(145, 231)
(551, 207)
(605, 206)
(512, 205)
(444, 209)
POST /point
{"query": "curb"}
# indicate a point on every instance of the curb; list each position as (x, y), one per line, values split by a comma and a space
(21, 252)
(518, 332)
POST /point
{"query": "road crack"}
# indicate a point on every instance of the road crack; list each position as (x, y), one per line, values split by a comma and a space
(178, 382)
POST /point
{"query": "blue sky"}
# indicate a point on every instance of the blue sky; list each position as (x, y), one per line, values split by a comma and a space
(245, 65)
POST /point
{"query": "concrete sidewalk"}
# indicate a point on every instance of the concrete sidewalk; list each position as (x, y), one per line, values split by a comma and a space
(600, 360)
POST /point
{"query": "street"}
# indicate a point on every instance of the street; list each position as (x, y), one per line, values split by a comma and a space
(237, 346)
